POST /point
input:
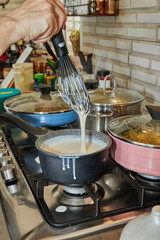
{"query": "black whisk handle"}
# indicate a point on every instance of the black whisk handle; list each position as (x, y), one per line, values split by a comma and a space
(59, 44)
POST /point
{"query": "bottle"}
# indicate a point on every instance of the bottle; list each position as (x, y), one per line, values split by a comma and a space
(20, 47)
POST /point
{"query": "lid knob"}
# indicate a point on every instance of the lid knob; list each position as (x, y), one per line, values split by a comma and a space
(45, 89)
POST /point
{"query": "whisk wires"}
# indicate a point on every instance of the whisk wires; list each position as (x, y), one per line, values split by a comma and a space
(72, 88)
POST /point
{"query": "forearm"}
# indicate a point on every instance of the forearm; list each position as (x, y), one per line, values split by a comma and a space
(9, 33)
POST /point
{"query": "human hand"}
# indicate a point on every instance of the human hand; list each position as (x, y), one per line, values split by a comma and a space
(39, 20)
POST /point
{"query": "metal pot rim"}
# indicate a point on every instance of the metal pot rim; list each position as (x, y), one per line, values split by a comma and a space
(116, 105)
(133, 142)
(37, 143)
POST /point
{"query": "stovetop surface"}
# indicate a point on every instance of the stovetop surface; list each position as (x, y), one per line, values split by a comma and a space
(119, 191)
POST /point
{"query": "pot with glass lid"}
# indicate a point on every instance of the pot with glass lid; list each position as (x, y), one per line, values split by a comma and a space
(136, 142)
(111, 103)
(41, 109)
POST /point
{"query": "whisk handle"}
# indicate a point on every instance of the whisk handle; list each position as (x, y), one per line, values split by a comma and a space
(59, 44)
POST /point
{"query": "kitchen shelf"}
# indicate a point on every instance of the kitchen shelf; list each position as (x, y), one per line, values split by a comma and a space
(92, 8)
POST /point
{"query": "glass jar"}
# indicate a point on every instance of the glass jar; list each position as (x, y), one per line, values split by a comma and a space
(110, 7)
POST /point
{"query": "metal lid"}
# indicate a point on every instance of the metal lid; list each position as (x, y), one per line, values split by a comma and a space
(37, 103)
(119, 96)
(138, 129)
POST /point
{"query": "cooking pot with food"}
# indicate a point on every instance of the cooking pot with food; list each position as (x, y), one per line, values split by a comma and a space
(61, 158)
(136, 142)
(111, 103)
(41, 109)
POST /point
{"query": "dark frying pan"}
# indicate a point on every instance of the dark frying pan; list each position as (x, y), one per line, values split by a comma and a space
(61, 169)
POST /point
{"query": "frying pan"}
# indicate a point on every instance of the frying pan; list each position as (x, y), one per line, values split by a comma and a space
(138, 157)
(61, 169)
(16, 106)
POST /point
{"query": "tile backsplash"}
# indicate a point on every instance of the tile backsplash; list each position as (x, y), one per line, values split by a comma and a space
(128, 45)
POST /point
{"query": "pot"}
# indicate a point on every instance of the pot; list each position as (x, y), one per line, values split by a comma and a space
(41, 109)
(136, 142)
(109, 104)
(66, 169)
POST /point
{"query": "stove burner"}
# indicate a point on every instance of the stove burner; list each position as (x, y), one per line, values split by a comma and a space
(148, 182)
(74, 190)
(76, 196)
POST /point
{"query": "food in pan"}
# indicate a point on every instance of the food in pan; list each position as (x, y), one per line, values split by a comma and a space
(146, 137)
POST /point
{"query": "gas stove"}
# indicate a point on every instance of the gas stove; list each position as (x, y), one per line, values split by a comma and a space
(35, 208)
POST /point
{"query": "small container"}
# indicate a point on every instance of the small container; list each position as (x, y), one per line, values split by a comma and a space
(110, 7)
(6, 93)
(40, 78)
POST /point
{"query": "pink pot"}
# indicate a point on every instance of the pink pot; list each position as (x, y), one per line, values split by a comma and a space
(137, 158)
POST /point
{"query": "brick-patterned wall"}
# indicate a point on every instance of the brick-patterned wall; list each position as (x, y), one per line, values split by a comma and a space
(10, 6)
(128, 45)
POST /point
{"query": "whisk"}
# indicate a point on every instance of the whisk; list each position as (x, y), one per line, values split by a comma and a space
(73, 90)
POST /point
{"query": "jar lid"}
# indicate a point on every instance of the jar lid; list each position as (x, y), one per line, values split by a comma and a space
(102, 73)
(6, 93)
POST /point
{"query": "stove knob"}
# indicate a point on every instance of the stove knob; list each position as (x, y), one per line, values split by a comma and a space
(8, 172)
(5, 160)
(3, 152)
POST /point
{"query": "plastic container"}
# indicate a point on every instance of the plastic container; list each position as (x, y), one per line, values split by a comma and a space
(40, 78)
(23, 76)
(6, 93)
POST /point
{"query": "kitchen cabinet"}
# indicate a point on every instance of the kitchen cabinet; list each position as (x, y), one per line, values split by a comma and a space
(91, 7)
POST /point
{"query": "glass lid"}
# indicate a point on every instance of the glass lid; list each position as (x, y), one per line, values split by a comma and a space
(118, 96)
(138, 129)
(42, 102)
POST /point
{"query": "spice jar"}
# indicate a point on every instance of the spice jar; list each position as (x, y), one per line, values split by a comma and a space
(110, 7)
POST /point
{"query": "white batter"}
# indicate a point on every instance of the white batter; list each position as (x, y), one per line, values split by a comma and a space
(71, 145)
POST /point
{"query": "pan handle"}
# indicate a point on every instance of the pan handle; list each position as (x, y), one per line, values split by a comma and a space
(27, 128)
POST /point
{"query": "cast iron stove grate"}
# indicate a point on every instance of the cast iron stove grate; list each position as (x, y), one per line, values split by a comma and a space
(129, 194)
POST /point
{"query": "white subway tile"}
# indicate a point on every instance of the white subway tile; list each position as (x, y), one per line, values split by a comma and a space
(135, 86)
(158, 81)
(88, 29)
(124, 4)
(117, 31)
(145, 77)
(89, 19)
(155, 65)
(90, 39)
(150, 48)
(108, 19)
(153, 93)
(123, 44)
(148, 18)
(106, 42)
(126, 18)
(159, 33)
(104, 65)
(99, 52)
(148, 34)
(121, 82)
(141, 62)
(101, 30)
(118, 57)
(87, 49)
(121, 70)
(143, 3)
